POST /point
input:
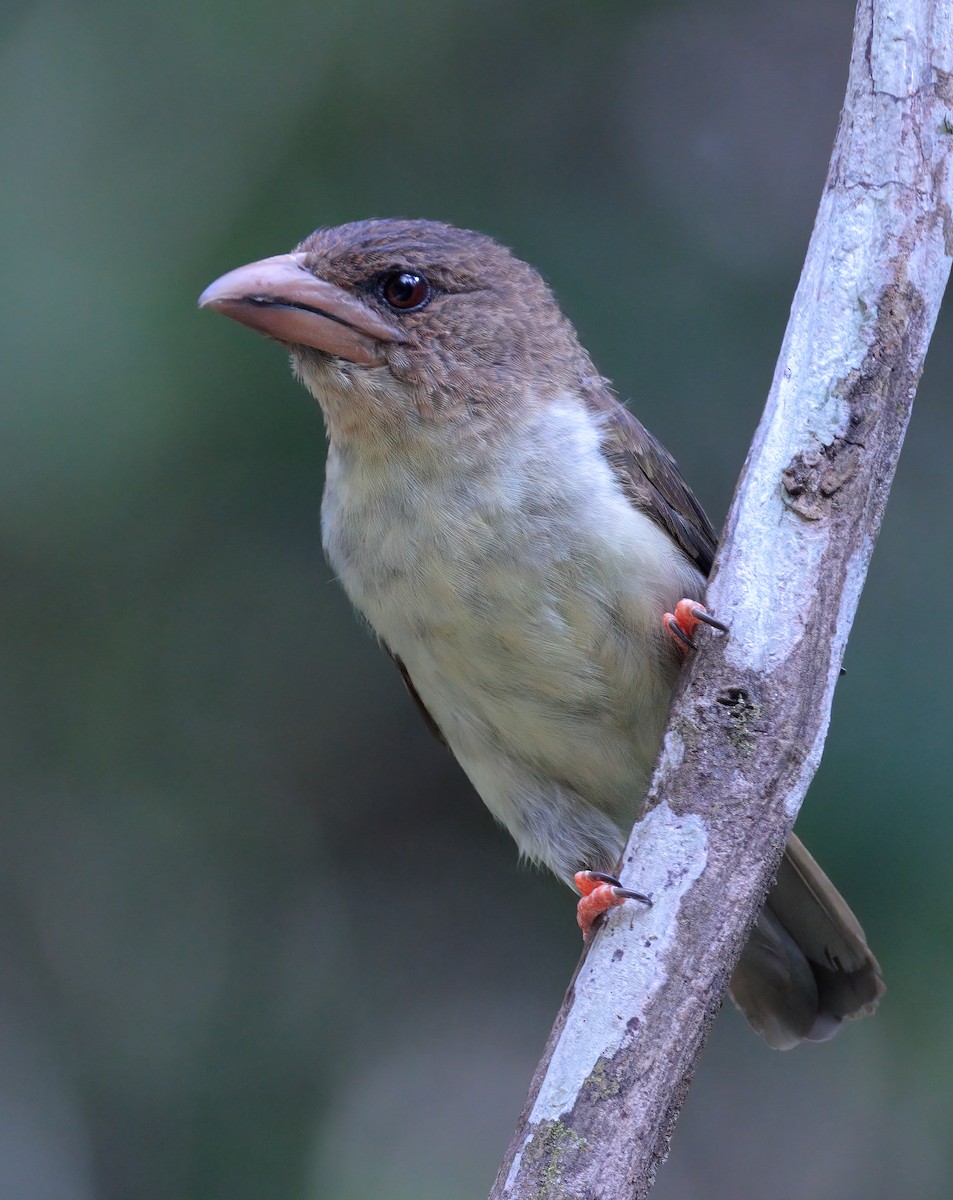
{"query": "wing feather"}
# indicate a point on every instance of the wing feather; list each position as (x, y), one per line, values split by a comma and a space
(651, 479)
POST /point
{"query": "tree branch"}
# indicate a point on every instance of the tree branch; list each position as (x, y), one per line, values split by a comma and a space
(748, 724)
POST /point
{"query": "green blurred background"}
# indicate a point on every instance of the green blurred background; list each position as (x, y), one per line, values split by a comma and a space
(220, 974)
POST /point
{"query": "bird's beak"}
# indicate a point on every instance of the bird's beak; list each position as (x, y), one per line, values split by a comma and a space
(281, 298)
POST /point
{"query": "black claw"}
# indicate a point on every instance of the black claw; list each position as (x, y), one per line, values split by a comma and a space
(604, 878)
(702, 614)
(617, 887)
(677, 631)
(626, 894)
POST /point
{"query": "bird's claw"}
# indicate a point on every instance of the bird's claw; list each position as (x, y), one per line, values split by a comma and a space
(681, 624)
(600, 892)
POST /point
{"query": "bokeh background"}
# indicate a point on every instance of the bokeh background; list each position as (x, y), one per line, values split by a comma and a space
(257, 936)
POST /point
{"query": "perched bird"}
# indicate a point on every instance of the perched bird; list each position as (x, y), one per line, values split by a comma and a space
(514, 535)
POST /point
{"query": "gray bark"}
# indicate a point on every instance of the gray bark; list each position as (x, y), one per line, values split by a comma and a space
(749, 721)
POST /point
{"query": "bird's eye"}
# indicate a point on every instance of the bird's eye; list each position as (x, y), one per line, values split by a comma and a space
(405, 290)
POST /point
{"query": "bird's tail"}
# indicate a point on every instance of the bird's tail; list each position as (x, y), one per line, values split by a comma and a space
(806, 965)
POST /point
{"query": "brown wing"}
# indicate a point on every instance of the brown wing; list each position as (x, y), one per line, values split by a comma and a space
(652, 480)
(415, 696)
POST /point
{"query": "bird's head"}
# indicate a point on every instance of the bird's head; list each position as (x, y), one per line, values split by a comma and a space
(394, 324)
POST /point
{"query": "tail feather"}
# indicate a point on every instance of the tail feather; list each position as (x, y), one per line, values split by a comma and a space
(806, 965)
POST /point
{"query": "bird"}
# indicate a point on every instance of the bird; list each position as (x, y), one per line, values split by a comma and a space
(530, 557)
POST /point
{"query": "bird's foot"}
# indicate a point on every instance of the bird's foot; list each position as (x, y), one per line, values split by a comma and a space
(600, 892)
(683, 622)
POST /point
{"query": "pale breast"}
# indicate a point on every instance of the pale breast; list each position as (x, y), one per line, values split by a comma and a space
(524, 601)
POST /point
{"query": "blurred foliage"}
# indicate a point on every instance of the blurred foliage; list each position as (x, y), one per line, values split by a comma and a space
(231, 860)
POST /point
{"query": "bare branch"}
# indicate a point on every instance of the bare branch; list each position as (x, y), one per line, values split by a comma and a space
(748, 726)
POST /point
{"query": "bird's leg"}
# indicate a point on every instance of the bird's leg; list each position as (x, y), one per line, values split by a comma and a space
(683, 622)
(600, 892)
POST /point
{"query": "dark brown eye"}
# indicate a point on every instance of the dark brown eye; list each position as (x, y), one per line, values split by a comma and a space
(405, 290)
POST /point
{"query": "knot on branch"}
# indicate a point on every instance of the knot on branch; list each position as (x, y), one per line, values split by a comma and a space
(743, 713)
(882, 386)
(813, 477)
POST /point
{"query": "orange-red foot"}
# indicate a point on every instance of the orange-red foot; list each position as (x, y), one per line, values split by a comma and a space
(600, 893)
(683, 622)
